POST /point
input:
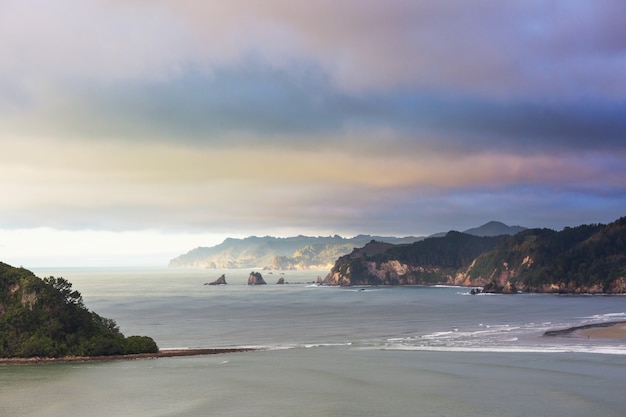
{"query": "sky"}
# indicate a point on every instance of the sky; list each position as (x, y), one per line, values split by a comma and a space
(134, 131)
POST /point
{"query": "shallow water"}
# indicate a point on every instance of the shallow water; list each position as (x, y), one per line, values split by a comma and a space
(409, 351)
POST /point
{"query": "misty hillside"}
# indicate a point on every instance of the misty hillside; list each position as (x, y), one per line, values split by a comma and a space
(300, 252)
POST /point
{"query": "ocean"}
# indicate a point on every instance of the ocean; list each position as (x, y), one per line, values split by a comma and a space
(326, 351)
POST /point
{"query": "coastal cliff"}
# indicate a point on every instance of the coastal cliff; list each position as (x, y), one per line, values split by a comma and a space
(585, 259)
(431, 261)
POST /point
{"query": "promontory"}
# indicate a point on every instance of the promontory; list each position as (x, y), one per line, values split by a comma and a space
(588, 259)
(46, 318)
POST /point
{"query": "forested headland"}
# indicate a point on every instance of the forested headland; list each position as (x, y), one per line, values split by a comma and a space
(583, 259)
(47, 318)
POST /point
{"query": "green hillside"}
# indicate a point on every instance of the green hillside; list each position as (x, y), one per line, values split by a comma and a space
(432, 261)
(47, 318)
(587, 258)
(583, 259)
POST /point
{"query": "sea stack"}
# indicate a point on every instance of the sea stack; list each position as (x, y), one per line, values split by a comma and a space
(220, 281)
(256, 278)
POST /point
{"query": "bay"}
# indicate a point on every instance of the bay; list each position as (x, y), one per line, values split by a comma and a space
(367, 351)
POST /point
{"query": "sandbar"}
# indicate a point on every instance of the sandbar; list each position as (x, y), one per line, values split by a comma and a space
(607, 330)
(166, 353)
(617, 331)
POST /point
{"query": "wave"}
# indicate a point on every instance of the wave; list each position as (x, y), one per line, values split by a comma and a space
(448, 286)
(289, 346)
(479, 294)
(601, 349)
(605, 317)
(315, 345)
(505, 338)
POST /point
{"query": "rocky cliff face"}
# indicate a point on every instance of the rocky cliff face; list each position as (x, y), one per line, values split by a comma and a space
(432, 261)
(506, 280)
(391, 272)
(27, 298)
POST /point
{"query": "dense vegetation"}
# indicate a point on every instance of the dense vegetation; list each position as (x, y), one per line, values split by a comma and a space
(47, 318)
(453, 251)
(434, 259)
(587, 258)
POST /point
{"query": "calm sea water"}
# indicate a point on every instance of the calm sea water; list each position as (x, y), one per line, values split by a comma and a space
(402, 351)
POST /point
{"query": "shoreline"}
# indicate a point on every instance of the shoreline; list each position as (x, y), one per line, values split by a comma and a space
(167, 353)
(608, 330)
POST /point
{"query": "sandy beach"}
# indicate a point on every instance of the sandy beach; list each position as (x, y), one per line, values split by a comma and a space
(167, 353)
(616, 331)
(608, 330)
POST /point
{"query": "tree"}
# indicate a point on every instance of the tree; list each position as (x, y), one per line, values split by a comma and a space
(64, 287)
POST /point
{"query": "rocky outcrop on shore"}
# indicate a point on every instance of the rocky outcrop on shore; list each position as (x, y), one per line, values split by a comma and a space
(256, 278)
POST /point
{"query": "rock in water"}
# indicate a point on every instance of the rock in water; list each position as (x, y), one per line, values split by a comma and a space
(256, 278)
(220, 281)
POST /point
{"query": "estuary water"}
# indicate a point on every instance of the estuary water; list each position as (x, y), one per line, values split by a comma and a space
(325, 351)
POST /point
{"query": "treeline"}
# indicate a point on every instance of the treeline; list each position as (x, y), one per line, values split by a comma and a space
(47, 318)
(583, 257)
(430, 261)
(455, 250)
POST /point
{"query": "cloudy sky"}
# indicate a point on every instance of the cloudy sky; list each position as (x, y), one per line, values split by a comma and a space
(133, 131)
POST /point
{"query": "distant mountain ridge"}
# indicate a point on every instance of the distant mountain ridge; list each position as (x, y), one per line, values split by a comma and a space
(300, 252)
(492, 228)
